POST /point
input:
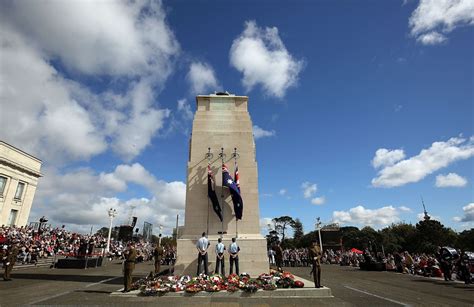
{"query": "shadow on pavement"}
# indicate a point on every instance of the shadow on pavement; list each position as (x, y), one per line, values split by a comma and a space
(60, 277)
(93, 291)
(446, 284)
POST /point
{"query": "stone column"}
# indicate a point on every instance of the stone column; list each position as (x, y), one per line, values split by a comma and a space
(222, 122)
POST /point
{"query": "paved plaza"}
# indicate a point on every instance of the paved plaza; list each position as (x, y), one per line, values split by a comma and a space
(349, 286)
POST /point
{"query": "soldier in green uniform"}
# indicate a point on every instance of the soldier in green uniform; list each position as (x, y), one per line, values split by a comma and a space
(9, 261)
(157, 254)
(278, 256)
(315, 258)
(129, 266)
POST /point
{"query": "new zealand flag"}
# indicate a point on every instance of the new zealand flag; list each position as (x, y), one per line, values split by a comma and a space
(227, 181)
(211, 192)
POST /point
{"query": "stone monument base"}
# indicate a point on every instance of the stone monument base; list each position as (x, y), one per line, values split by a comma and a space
(253, 258)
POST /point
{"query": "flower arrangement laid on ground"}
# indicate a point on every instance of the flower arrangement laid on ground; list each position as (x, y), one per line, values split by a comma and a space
(159, 285)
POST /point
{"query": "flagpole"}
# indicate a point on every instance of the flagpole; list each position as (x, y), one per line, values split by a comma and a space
(222, 194)
(235, 167)
(208, 155)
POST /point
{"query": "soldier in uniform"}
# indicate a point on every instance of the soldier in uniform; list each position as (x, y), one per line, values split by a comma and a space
(234, 250)
(129, 266)
(9, 261)
(315, 258)
(158, 254)
(278, 256)
(202, 245)
(220, 248)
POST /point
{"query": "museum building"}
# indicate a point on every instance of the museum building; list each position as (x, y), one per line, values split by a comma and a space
(19, 174)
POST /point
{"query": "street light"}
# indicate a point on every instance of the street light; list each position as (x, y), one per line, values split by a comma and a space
(112, 213)
(318, 227)
(159, 240)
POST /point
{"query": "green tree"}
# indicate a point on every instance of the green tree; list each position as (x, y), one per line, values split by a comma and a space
(298, 230)
(465, 240)
(104, 232)
(282, 223)
(308, 238)
(351, 237)
(431, 234)
(399, 237)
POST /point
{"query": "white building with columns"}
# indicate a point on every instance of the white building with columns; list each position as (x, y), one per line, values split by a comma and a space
(19, 174)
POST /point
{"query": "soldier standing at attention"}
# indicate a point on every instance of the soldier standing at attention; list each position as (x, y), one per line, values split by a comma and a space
(202, 245)
(220, 248)
(9, 261)
(315, 257)
(129, 266)
(278, 256)
(234, 250)
(158, 254)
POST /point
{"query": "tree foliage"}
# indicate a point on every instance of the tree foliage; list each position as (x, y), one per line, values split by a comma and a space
(282, 223)
(424, 237)
(298, 229)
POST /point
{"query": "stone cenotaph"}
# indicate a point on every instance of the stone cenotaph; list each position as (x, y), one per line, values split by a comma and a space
(221, 128)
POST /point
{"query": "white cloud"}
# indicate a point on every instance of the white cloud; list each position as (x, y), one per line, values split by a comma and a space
(318, 200)
(404, 209)
(431, 38)
(309, 189)
(439, 155)
(106, 37)
(59, 119)
(261, 133)
(372, 217)
(185, 109)
(81, 197)
(385, 157)
(202, 78)
(450, 180)
(434, 16)
(468, 214)
(260, 55)
(282, 192)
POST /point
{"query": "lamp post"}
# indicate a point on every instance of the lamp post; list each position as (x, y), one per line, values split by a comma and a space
(159, 240)
(318, 227)
(112, 213)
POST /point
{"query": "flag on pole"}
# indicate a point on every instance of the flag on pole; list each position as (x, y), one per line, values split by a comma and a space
(236, 176)
(227, 181)
(211, 193)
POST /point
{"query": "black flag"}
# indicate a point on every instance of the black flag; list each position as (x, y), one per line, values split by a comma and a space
(234, 192)
(211, 192)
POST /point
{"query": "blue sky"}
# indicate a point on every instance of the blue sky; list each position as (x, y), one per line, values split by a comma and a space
(358, 109)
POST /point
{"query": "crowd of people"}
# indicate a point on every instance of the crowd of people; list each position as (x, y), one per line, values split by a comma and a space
(50, 242)
(31, 245)
(429, 265)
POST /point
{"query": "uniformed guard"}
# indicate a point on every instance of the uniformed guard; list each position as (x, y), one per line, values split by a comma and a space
(202, 245)
(315, 257)
(129, 266)
(158, 254)
(278, 256)
(9, 261)
(234, 250)
(220, 248)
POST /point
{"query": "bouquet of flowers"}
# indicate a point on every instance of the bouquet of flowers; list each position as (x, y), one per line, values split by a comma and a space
(233, 279)
(270, 286)
(298, 284)
(232, 288)
(251, 286)
(193, 286)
